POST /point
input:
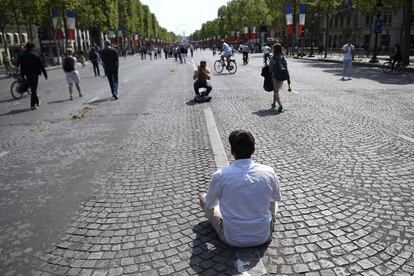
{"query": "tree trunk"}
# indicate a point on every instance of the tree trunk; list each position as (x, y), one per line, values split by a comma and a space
(327, 30)
(405, 41)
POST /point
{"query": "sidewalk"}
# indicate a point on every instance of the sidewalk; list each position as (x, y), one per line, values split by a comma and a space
(360, 61)
(3, 74)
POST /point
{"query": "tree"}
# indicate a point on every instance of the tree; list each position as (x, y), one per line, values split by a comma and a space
(405, 38)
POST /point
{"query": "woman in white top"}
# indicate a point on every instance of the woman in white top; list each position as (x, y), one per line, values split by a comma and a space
(348, 50)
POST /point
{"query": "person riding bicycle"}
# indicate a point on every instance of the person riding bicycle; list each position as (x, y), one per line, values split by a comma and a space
(396, 56)
(227, 53)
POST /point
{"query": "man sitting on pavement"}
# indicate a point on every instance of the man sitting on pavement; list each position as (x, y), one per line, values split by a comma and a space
(202, 76)
(242, 198)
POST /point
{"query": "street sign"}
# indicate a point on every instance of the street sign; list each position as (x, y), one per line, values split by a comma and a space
(378, 25)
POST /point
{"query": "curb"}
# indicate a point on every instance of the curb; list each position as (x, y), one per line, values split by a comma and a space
(358, 63)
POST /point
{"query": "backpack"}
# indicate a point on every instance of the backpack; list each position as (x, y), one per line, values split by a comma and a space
(267, 84)
(282, 73)
(68, 64)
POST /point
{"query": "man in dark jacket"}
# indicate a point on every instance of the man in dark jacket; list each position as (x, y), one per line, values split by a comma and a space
(31, 67)
(111, 63)
(94, 58)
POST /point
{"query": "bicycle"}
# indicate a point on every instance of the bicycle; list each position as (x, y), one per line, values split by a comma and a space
(231, 66)
(19, 86)
(387, 67)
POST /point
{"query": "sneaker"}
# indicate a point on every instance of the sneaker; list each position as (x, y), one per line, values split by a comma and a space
(343, 78)
(273, 105)
(71, 98)
(349, 78)
(38, 104)
(280, 109)
(34, 107)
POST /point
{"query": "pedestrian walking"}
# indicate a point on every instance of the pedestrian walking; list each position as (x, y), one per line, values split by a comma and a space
(71, 72)
(242, 198)
(94, 58)
(266, 54)
(396, 56)
(110, 62)
(280, 73)
(192, 50)
(348, 50)
(31, 67)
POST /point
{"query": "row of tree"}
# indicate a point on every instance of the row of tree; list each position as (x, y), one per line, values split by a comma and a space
(239, 13)
(131, 16)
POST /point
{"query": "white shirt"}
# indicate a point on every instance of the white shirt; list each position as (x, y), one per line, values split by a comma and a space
(266, 49)
(243, 192)
(347, 49)
(226, 48)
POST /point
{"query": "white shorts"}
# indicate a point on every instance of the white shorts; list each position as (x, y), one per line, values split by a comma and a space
(227, 54)
(72, 77)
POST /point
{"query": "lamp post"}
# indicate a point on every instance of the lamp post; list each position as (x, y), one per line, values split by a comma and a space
(377, 29)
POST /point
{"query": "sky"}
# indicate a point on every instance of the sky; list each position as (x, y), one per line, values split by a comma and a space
(184, 16)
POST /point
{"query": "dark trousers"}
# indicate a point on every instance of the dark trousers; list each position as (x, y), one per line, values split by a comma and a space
(245, 56)
(96, 68)
(32, 81)
(112, 75)
(202, 84)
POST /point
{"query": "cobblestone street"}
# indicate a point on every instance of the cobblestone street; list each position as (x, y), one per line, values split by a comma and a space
(101, 187)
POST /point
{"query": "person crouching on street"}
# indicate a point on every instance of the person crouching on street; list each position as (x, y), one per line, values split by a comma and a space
(72, 74)
(202, 76)
(242, 198)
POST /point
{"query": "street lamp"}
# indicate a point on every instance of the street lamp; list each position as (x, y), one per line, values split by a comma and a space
(377, 29)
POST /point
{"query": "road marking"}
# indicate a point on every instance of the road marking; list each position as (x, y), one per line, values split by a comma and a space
(219, 153)
(406, 138)
(92, 100)
(193, 63)
(3, 153)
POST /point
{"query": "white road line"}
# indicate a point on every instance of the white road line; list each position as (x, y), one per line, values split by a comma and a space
(219, 153)
(406, 138)
(92, 100)
(3, 153)
(193, 63)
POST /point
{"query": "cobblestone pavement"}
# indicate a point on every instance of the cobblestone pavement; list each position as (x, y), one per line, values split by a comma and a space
(115, 192)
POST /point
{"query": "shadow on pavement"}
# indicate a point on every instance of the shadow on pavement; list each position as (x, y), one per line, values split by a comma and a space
(210, 256)
(191, 102)
(266, 112)
(15, 111)
(59, 101)
(360, 72)
(7, 100)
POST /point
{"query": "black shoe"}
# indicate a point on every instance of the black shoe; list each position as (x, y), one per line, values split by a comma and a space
(273, 106)
(280, 109)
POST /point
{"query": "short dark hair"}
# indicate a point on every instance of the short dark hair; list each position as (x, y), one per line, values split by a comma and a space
(277, 49)
(29, 46)
(242, 144)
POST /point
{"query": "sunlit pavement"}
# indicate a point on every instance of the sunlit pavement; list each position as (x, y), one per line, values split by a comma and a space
(101, 187)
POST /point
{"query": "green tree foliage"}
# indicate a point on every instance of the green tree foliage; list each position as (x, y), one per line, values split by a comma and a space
(131, 15)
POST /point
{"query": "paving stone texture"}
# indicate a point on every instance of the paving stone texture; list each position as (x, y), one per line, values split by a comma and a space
(116, 193)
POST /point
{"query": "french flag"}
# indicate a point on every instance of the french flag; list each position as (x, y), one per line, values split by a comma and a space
(302, 12)
(246, 33)
(289, 18)
(71, 25)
